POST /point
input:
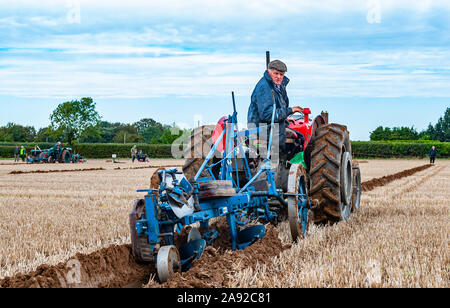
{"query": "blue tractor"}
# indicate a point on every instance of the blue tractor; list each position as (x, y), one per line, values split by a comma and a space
(55, 154)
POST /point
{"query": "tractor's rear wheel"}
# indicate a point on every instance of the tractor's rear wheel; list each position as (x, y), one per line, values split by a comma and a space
(331, 174)
(198, 148)
(65, 157)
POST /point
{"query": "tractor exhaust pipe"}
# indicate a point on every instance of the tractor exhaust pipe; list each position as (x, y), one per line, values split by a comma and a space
(267, 59)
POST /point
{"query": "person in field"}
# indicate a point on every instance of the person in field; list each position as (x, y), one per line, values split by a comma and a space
(433, 154)
(23, 153)
(16, 154)
(133, 153)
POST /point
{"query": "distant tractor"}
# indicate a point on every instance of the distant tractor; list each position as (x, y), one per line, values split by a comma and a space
(61, 155)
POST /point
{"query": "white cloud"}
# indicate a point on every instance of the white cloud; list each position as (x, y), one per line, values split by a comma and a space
(213, 10)
(141, 61)
(356, 74)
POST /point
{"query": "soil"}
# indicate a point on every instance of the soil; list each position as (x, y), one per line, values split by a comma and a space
(148, 167)
(372, 184)
(109, 267)
(217, 263)
(89, 169)
(53, 171)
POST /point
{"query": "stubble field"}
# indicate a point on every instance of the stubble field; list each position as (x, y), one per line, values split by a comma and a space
(399, 238)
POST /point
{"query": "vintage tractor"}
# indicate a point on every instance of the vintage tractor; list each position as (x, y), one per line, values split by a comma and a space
(226, 176)
(53, 155)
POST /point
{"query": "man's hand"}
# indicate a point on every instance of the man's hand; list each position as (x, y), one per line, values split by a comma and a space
(297, 109)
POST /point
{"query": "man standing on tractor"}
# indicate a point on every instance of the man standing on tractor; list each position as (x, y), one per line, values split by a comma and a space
(261, 106)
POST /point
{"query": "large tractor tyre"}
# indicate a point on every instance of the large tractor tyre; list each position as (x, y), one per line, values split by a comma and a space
(198, 148)
(65, 157)
(331, 174)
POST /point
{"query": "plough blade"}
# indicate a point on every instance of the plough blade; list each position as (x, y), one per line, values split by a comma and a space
(191, 251)
(250, 235)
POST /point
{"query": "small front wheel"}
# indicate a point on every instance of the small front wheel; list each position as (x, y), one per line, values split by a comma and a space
(356, 196)
(297, 201)
(167, 262)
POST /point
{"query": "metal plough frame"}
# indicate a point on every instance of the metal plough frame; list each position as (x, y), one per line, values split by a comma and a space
(160, 221)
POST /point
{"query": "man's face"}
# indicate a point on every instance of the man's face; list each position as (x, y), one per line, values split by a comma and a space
(276, 76)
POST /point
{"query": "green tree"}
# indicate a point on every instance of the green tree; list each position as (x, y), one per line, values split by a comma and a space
(4, 135)
(170, 134)
(441, 130)
(396, 133)
(380, 133)
(74, 117)
(45, 134)
(149, 129)
(90, 135)
(20, 133)
(108, 131)
(127, 133)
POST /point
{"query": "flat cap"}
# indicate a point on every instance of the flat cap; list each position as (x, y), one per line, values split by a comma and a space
(277, 65)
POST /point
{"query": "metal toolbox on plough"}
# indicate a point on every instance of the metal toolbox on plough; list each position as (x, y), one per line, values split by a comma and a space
(178, 203)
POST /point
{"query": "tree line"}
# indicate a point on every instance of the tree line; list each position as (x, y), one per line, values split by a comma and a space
(440, 131)
(78, 121)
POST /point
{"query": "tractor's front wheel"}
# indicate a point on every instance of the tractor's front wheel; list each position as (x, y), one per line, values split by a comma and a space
(297, 201)
(356, 196)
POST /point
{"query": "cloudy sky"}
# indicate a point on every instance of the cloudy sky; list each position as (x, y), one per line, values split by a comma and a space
(366, 62)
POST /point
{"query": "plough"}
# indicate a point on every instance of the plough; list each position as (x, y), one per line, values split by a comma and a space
(178, 203)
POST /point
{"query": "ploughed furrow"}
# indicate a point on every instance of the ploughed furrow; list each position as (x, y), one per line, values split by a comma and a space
(53, 171)
(111, 267)
(373, 183)
(91, 169)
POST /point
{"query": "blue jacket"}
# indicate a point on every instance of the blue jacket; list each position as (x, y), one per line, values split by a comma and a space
(261, 106)
(433, 153)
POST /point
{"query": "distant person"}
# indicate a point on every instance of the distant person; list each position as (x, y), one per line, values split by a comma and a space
(16, 154)
(433, 153)
(142, 157)
(133, 153)
(23, 153)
